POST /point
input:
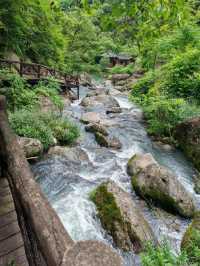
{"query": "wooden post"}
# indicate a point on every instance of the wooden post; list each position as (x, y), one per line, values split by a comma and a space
(21, 69)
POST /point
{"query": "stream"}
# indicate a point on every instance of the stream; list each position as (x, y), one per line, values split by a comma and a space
(68, 183)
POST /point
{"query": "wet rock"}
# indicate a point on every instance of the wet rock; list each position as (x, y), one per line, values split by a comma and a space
(91, 253)
(163, 146)
(90, 117)
(94, 128)
(85, 80)
(114, 92)
(120, 216)
(107, 100)
(118, 77)
(115, 143)
(32, 147)
(70, 153)
(154, 182)
(107, 142)
(114, 110)
(101, 140)
(188, 137)
(191, 241)
(98, 91)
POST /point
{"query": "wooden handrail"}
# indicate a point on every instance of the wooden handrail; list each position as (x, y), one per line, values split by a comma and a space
(37, 71)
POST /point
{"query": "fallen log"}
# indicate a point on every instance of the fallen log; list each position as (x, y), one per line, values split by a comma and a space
(52, 239)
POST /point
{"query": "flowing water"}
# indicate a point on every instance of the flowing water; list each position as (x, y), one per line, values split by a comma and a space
(68, 183)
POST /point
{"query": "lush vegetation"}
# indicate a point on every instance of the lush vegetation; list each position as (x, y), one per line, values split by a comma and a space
(26, 118)
(170, 92)
(162, 256)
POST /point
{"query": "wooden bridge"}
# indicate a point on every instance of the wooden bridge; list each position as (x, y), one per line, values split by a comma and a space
(33, 73)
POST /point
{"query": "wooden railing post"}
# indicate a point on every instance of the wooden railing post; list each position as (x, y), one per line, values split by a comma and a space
(21, 69)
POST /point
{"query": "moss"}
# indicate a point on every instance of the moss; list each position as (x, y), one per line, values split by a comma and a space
(158, 197)
(129, 165)
(101, 139)
(108, 211)
(191, 240)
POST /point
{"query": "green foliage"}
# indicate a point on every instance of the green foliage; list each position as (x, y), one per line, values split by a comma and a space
(122, 69)
(191, 241)
(51, 90)
(42, 126)
(192, 248)
(17, 92)
(162, 256)
(181, 76)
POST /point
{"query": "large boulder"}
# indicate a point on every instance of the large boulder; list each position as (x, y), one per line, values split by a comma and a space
(70, 153)
(109, 142)
(120, 216)
(114, 110)
(154, 182)
(119, 77)
(188, 136)
(91, 253)
(32, 147)
(191, 241)
(94, 128)
(106, 100)
(90, 117)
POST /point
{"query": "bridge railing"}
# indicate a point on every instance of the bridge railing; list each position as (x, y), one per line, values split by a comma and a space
(38, 71)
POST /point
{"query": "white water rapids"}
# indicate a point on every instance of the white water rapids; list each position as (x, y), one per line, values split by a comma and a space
(67, 184)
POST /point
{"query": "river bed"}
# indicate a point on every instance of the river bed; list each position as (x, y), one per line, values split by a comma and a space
(68, 183)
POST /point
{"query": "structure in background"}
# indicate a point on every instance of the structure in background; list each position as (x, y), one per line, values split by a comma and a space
(117, 59)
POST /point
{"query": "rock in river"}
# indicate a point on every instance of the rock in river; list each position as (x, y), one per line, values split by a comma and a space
(155, 182)
(90, 117)
(107, 100)
(91, 253)
(107, 142)
(188, 137)
(70, 153)
(32, 147)
(94, 128)
(120, 216)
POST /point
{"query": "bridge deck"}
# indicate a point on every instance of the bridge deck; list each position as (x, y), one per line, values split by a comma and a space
(12, 251)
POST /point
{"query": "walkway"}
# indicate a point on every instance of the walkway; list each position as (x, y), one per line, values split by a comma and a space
(12, 252)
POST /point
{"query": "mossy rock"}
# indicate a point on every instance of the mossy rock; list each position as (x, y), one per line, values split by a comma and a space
(191, 240)
(121, 218)
(101, 140)
(188, 136)
(108, 211)
(157, 184)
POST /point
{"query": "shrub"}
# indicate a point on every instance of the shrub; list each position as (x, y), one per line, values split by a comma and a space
(162, 256)
(42, 126)
(144, 84)
(51, 90)
(122, 69)
(163, 114)
(181, 76)
(17, 92)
